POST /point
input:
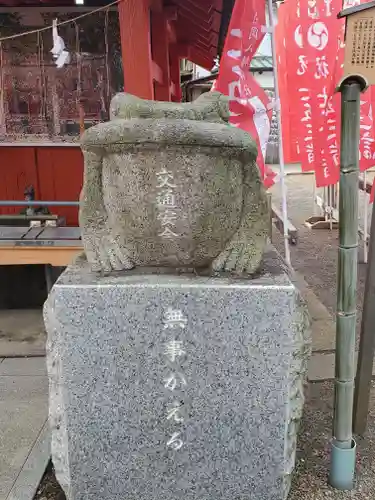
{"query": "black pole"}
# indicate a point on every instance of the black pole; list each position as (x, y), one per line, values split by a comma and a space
(366, 344)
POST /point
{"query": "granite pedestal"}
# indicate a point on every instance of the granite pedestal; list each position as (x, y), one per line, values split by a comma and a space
(166, 387)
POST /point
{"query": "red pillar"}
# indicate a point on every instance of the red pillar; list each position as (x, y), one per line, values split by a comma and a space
(160, 54)
(134, 17)
(174, 62)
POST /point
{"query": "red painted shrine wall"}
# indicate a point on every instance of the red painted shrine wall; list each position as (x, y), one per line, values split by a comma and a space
(55, 172)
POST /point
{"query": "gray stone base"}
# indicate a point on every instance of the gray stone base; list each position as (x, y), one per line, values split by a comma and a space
(175, 387)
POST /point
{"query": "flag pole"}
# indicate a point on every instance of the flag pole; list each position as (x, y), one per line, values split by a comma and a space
(271, 21)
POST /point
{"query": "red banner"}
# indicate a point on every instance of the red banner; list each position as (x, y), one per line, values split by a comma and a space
(312, 50)
(250, 107)
(367, 137)
(281, 35)
(314, 67)
(246, 30)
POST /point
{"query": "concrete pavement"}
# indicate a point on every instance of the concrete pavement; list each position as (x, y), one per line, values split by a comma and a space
(24, 436)
(22, 333)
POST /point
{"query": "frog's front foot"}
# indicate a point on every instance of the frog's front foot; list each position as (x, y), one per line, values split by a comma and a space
(238, 258)
(105, 254)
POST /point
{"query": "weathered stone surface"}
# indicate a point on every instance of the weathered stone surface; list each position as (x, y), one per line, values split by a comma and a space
(212, 416)
(172, 185)
(209, 107)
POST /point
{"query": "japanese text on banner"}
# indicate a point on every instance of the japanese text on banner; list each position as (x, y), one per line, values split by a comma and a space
(314, 68)
(250, 107)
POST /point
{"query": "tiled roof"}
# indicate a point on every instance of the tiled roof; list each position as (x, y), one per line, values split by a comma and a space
(258, 63)
(261, 62)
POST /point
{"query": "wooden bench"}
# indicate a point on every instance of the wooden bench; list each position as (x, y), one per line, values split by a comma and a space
(55, 246)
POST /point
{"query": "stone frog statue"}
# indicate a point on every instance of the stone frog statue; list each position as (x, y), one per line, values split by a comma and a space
(172, 185)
